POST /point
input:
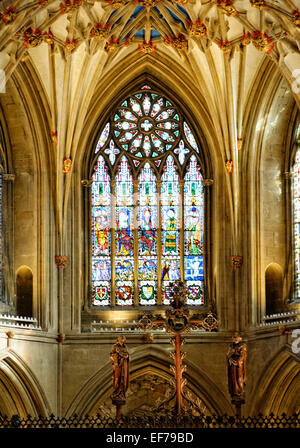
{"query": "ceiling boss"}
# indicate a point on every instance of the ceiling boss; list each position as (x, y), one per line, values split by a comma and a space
(147, 26)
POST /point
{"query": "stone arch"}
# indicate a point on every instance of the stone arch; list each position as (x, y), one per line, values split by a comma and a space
(121, 81)
(278, 388)
(274, 288)
(267, 114)
(24, 105)
(24, 291)
(116, 85)
(145, 361)
(6, 219)
(20, 390)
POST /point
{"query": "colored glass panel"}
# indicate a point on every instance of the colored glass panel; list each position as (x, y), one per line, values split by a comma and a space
(124, 293)
(100, 238)
(170, 215)
(101, 293)
(190, 137)
(147, 294)
(146, 123)
(124, 269)
(1, 234)
(112, 151)
(124, 234)
(193, 233)
(103, 137)
(146, 126)
(296, 219)
(147, 194)
(147, 241)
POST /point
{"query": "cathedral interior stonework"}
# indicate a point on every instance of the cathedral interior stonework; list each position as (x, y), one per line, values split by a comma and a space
(146, 144)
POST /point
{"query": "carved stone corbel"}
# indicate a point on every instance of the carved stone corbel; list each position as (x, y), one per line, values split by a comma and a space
(287, 175)
(87, 182)
(8, 177)
(207, 182)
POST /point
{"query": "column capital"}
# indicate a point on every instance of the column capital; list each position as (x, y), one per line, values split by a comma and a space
(87, 182)
(207, 182)
(8, 177)
(287, 175)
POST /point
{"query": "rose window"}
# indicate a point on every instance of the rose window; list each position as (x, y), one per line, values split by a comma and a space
(146, 125)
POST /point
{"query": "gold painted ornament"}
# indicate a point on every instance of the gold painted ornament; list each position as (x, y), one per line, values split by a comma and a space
(116, 4)
(262, 42)
(61, 261)
(54, 137)
(225, 46)
(70, 45)
(260, 4)
(236, 261)
(9, 15)
(229, 166)
(67, 165)
(33, 38)
(112, 45)
(179, 42)
(227, 8)
(147, 47)
(69, 6)
(246, 39)
(100, 32)
(239, 143)
(148, 3)
(48, 37)
(296, 18)
(43, 3)
(197, 29)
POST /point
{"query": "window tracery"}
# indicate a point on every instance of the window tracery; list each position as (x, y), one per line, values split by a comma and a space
(147, 206)
(296, 224)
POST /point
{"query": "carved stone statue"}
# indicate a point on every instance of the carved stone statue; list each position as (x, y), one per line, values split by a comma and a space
(236, 367)
(120, 359)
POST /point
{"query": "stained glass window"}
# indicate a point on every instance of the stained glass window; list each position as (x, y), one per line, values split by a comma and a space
(147, 241)
(296, 219)
(103, 137)
(124, 235)
(1, 235)
(146, 125)
(170, 223)
(193, 233)
(100, 225)
(147, 205)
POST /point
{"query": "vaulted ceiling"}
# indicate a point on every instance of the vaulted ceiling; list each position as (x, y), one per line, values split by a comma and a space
(222, 43)
(218, 54)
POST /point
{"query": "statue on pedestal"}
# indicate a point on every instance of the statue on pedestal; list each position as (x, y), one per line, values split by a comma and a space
(236, 368)
(120, 359)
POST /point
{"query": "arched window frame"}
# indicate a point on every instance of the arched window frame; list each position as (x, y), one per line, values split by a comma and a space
(136, 170)
(296, 224)
(6, 203)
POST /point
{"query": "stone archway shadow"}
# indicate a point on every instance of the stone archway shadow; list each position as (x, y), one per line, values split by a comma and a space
(152, 364)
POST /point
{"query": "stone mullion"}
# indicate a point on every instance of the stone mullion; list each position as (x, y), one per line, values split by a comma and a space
(207, 183)
(113, 242)
(136, 242)
(181, 230)
(159, 244)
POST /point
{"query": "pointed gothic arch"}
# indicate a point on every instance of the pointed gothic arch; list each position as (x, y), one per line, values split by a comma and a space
(146, 361)
(277, 390)
(146, 131)
(21, 392)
